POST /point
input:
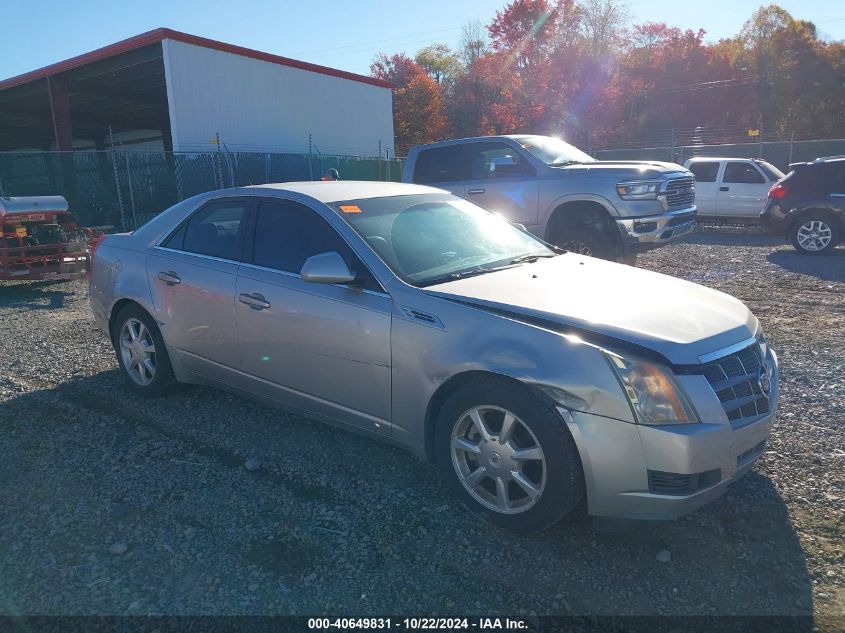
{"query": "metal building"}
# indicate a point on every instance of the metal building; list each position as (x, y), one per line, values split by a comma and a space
(171, 91)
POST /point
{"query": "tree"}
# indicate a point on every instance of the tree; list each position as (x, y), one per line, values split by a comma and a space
(418, 106)
(473, 43)
(439, 62)
(603, 22)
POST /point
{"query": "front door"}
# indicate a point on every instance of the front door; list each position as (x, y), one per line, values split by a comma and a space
(742, 191)
(321, 347)
(502, 180)
(706, 174)
(192, 277)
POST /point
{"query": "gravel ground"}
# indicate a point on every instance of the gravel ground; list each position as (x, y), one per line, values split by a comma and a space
(206, 503)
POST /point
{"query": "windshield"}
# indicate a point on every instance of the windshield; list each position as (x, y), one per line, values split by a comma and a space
(770, 170)
(432, 238)
(553, 151)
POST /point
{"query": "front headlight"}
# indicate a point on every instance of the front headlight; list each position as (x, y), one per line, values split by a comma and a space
(638, 190)
(654, 394)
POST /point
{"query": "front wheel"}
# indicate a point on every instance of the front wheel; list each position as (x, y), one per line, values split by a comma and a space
(588, 242)
(508, 456)
(814, 234)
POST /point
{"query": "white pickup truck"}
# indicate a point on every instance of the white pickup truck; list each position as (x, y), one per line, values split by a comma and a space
(732, 188)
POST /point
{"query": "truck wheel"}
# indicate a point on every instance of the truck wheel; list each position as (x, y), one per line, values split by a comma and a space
(507, 455)
(588, 242)
(814, 234)
(141, 353)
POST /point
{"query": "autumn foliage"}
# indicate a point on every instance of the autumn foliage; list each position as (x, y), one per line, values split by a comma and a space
(581, 70)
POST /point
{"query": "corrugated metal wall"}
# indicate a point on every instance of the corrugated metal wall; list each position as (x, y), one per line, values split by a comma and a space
(257, 105)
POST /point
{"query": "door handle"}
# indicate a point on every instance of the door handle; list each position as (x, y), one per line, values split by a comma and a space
(724, 188)
(255, 301)
(475, 191)
(170, 278)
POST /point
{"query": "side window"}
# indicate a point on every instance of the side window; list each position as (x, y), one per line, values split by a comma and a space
(288, 233)
(440, 164)
(495, 160)
(742, 173)
(213, 230)
(704, 171)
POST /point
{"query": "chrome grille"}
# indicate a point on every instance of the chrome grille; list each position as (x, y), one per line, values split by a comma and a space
(735, 379)
(680, 192)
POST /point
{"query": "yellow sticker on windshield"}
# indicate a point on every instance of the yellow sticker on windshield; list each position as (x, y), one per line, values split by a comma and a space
(350, 208)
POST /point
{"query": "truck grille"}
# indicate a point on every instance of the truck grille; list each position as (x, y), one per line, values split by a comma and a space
(735, 379)
(680, 192)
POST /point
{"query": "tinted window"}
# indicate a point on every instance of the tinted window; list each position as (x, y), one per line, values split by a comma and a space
(704, 172)
(742, 173)
(288, 233)
(494, 160)
(213, 230)
(440, 164)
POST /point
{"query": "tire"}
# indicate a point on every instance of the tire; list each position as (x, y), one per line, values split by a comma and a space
(148, 383)
(557, 479)
(814, 234)
(588, 242)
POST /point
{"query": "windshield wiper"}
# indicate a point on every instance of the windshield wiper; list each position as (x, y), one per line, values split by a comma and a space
(524, 259)
(466, 273)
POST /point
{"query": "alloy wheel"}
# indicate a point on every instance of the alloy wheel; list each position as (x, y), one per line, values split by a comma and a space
(138, 352)
(498, 459)
(814, 235)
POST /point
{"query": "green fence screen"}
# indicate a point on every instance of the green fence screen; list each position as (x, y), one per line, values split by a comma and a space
(124, 189)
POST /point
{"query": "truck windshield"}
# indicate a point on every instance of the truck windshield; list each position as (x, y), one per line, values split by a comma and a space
(432, 238)
(553, 151)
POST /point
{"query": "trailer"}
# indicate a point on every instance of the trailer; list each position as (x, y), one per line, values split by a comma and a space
(41, 240)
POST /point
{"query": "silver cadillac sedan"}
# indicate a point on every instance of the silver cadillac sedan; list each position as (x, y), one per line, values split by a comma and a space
(531, 377)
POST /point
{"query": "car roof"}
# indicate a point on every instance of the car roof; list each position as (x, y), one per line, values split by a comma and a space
(337, 190)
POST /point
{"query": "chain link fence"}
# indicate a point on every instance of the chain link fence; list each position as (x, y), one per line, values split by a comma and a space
(123, 189)
(778, 153)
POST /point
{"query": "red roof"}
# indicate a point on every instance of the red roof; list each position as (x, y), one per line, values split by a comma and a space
(157, 35)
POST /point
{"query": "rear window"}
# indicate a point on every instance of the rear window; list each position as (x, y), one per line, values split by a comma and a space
(772, 172)
(441, 164)
(742, 173)
(705, 171)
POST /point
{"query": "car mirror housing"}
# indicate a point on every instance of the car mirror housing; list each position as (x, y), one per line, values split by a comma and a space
(326, 268)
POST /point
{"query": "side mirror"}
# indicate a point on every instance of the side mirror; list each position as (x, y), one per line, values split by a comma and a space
(326, 268)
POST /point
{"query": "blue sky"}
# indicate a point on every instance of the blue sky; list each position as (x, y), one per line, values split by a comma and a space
(343, 34)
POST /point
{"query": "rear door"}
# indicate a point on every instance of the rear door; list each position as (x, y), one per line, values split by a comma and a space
(502, 180)
(706, 188)
(324, 348)
(443, 167)
(192, 276)
(742, 191)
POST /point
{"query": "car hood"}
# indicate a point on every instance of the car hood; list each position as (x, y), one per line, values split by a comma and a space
(675, 318)
(626, 168)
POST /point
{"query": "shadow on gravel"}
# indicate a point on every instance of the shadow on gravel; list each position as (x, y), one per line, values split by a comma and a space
(329, 523)
(723, 237)
(825, 267)
(35, 295)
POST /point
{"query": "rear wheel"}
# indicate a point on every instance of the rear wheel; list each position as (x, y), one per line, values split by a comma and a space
(141, 353)
(507, 455)
(814, 234)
